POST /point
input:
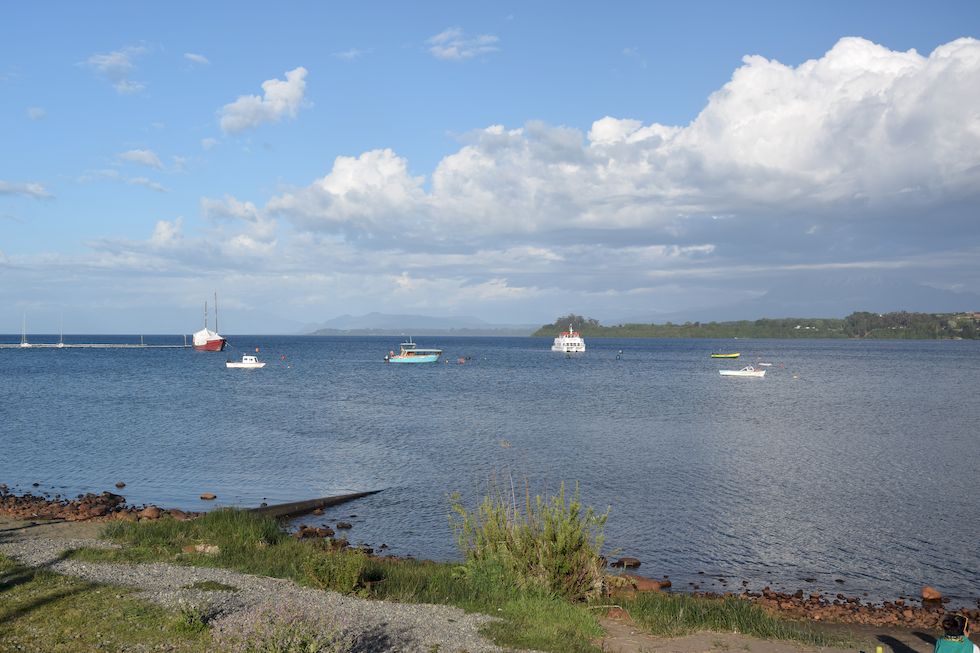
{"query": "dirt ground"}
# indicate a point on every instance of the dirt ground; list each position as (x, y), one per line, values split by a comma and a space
(52, 530)
(621, 635)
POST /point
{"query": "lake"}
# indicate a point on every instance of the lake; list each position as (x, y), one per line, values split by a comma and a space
(853, 461)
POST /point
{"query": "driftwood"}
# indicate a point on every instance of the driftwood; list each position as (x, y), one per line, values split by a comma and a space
(296, 508)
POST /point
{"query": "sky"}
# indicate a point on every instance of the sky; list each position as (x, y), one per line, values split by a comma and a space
(513, 162)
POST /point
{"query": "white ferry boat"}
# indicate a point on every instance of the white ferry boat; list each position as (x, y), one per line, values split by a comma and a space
(569, 342)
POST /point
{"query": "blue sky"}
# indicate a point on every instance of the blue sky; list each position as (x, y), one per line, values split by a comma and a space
(509, 161)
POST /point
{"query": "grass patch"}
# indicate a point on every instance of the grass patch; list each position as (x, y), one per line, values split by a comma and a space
(246, 542)
(43, 611)
(532, 617)
(675, 615)
(543, 540)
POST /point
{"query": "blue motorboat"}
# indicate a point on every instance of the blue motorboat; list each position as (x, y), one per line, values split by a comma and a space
(411, 353)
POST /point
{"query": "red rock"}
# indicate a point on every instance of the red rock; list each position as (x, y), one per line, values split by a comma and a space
(931, 594)
(643, 584)
(150, 512)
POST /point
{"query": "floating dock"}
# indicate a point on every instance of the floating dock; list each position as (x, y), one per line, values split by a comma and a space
(93, 345)
(61, 344)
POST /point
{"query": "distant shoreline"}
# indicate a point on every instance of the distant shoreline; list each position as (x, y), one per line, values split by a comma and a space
(857, 326)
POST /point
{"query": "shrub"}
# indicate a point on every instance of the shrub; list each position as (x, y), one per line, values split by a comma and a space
(339, 571)
(552, 544)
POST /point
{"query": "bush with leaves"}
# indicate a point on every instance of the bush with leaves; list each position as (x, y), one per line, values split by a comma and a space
(552, 544)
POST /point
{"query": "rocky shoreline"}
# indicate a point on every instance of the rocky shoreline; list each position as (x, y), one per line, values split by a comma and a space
(84, 507)
(838, 608)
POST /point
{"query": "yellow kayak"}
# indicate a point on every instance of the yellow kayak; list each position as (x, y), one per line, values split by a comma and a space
(735, 355)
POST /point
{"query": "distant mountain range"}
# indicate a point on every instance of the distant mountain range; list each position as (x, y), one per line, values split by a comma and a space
(384, 324)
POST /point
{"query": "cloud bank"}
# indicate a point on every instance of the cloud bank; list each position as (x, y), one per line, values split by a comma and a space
(864, 162)
(862, 132)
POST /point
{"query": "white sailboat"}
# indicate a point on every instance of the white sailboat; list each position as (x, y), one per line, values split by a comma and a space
(206, 339)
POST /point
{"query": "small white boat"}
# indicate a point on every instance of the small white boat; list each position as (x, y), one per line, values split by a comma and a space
(569, 342)
(745, 371)
(248, 362)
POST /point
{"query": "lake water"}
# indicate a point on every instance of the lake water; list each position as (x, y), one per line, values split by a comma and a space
(852, 460)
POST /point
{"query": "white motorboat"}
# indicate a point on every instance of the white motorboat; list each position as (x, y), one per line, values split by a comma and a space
(248, 362)
(745, 371)
(569, 342)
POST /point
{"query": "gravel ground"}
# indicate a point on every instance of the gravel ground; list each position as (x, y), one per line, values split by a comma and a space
(375, 626)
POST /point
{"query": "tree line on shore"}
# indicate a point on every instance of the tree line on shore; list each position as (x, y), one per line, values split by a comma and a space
(863, 324)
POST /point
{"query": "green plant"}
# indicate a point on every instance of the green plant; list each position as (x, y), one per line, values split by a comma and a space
(339, 571)
(552, 544)
(193, 618)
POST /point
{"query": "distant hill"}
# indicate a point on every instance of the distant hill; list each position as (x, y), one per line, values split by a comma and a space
(383, 324)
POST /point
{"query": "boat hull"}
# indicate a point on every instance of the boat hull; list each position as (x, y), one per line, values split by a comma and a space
(211, 345)
(429, 358)
(244, 366)
(735, 355)
(569, 349)
(755, 373)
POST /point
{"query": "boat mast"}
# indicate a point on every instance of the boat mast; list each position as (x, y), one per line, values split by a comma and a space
(205, 314)
(23, 330)
(216, 313)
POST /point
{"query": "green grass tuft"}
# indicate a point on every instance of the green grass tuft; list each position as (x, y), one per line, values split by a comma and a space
(675, 615)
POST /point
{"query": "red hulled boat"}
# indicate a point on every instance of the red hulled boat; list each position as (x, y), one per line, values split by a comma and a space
(206, 339)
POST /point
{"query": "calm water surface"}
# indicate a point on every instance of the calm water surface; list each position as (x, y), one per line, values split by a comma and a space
(851, 460)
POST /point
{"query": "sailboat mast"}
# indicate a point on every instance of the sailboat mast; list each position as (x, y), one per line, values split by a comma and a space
(216, 313)
(205, 314)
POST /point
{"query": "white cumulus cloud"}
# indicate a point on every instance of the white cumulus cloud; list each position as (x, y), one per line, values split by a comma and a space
(861, 131)
(280, 98)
